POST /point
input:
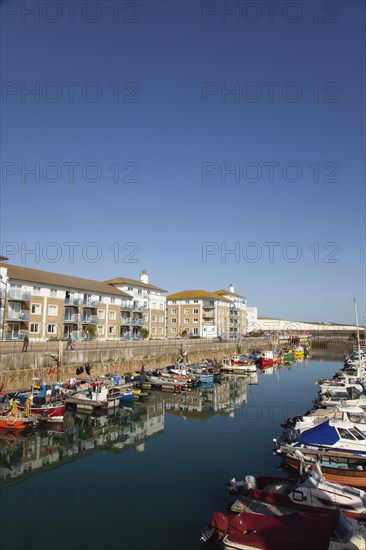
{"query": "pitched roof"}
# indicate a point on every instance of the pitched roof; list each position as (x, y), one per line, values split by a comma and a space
(194, 294)
(3, 258)
(228, 293)
(47, 277)
(133, 282)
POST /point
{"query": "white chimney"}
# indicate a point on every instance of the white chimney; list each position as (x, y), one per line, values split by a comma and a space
(144, 277)
(231, 288)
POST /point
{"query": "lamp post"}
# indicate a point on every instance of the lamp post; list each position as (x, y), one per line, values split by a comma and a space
(3, 307)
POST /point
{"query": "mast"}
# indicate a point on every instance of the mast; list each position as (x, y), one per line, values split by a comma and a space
(358, 334)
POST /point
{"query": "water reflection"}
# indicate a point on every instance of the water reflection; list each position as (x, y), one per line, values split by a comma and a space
(80, 434)
(22, 457)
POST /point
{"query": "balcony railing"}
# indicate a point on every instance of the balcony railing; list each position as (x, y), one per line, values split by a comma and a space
(72, 319)
(73, 301)
(17, 315)
(18, 295)
(92, 319)
(89, 303)
(208, 314)
(131, 307)
(129, 321)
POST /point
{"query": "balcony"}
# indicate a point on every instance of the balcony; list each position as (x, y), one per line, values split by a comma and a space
(208, 306)
(18, 295)
(89, 303)
(74, 319)
(17, 315)
(131, 307)
(92, 319)
(73, 301)
(208, 314)
(126, 321)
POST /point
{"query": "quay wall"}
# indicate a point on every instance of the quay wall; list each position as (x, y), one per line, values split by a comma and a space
(55, 363)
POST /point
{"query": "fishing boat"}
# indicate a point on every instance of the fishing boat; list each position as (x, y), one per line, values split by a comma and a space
(266, 359)
(345, 468)
(309, 492)
(325, 530)
(289, 356)
(299, 352)
(97, 396)
(228, 366)
(13, 419)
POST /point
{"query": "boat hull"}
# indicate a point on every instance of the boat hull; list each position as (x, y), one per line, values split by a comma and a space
(351, 477)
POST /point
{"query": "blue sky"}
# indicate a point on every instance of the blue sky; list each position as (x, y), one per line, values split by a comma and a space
(227, 132)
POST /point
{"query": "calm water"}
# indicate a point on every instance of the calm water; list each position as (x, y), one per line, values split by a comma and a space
(148, 478)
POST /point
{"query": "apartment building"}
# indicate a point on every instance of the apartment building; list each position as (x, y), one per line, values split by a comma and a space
(198, 313)
(147, 307)
(50, 305)
(238, 312)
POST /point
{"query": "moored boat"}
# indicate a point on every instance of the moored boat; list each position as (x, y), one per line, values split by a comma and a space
(325, 530)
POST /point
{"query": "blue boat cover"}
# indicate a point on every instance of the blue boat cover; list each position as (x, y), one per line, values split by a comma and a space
(324, 434)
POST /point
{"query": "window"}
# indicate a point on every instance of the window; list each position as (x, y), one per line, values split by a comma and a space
(174, 330)
(154, 305)
(146, 317)
(195, 310)
(161, 319)
(173, 311)
(112, 315)
(160, 330)
(139, 291)
(186, 321)
(195, 332)
(174, 301)
(112, 329)
(52, 310)
(34, 328)
(174, 320)
(187, 301)
(161, 306)
(36, 290)
(100, 330)
(52, 328)
(53, 292)
(195, 301)
(129, 288)
(153, 330)
(113, 300)
(153, 318)
(345, 434)
(195, 320)
(145, 304)
(36, 309)
(101, 313)
(186, 310)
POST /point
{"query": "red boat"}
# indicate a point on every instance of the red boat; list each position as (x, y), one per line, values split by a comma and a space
(46, 412)
(297, 531)
(266, 359)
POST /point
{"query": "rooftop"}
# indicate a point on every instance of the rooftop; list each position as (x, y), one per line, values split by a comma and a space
(66, 281)
(195, 294)
(228, 293)
(134, 282)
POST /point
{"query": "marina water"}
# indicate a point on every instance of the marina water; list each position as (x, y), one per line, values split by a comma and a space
(149, 477)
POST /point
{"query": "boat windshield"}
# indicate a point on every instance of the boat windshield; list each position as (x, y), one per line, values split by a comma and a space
(344, 529)
(357, 418)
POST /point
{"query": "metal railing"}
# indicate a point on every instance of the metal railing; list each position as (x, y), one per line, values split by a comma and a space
(18, 295)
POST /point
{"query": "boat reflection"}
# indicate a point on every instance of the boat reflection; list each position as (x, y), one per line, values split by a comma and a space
(223, 398)
(81, 434)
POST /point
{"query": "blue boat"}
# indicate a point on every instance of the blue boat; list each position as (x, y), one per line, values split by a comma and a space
(127, 396)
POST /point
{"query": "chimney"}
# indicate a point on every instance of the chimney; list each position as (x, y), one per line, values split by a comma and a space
(231, 288)
(144, 277)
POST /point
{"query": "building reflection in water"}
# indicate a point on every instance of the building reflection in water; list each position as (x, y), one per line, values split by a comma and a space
(81, 434)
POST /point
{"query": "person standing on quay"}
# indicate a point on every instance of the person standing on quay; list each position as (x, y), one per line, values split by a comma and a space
(25, 343)
(69, 343)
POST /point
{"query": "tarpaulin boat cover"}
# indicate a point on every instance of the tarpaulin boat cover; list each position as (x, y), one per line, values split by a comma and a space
(323, 434)
(298, 531)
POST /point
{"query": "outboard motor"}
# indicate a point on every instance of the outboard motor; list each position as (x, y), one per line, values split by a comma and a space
(207, 533)
(251, 482)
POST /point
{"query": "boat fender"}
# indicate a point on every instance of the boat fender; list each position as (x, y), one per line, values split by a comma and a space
(11, 419)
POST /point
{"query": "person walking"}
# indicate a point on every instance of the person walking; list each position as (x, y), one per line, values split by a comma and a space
(25, 343)
(69, 343)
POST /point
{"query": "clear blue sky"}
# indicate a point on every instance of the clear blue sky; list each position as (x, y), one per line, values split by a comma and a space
(148, 91)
